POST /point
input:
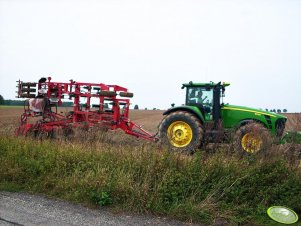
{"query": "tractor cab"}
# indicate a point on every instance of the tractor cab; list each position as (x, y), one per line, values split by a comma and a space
(205, 96)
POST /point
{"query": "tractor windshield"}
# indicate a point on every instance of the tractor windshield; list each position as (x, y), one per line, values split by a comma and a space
(199, 95)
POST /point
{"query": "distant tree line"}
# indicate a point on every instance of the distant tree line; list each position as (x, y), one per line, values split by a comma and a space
(277, 110)
(1, 100)
(21, 102)
(136, 107)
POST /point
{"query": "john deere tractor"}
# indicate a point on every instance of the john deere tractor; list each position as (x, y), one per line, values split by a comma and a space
(204, 118)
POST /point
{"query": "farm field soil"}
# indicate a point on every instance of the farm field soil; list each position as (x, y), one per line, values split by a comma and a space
(293, 121)
(148, 119)
(10, 118)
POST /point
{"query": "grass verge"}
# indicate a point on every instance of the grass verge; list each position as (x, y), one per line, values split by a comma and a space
(143, 178)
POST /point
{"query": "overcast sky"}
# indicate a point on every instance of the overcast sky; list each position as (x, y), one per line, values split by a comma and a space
(153, 46)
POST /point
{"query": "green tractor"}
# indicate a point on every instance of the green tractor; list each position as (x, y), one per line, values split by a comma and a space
(205, 119)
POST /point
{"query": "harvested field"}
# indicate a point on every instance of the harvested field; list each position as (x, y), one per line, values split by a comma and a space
(148, 119)
(10, 118)
(293, 121)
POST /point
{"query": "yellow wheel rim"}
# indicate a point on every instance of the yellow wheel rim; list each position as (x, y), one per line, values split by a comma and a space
(251, 142)
(179, 134)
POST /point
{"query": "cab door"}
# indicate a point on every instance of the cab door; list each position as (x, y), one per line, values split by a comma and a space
(202, 98)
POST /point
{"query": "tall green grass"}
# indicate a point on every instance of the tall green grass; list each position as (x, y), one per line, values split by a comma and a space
(146, 179)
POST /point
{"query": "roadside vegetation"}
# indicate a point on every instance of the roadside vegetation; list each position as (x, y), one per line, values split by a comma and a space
(108, 169)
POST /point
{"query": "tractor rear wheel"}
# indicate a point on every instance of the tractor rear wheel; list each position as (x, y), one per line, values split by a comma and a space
(181, 131)
(252, 138)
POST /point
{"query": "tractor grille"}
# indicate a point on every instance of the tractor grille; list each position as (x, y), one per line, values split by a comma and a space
(280, 126)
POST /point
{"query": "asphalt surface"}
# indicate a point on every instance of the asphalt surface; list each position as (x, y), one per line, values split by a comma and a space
(24, 209)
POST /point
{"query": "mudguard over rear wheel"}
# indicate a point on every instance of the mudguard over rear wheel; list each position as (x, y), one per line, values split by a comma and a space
(181, 131)
(252, 138)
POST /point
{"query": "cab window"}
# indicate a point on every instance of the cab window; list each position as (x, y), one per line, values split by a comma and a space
(196, 95)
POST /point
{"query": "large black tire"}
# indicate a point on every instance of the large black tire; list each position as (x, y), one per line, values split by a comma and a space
(252, 138)
(181, 131)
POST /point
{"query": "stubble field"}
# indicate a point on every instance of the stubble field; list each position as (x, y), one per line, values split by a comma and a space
(149, 119)
(10, 118)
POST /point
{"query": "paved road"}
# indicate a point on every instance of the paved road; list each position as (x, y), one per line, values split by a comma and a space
(23, 209)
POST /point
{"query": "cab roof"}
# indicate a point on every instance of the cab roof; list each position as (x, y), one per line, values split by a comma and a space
(209, 84)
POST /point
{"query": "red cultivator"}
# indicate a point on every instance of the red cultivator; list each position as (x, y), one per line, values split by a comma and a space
(111, 110)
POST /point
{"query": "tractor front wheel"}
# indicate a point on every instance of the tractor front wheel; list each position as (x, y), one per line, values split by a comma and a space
(252, 138)
(181, 131)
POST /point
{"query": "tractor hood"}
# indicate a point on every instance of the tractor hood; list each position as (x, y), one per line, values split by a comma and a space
(257, 112)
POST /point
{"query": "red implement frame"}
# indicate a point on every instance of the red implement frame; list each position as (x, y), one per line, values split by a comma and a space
(111, 110)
